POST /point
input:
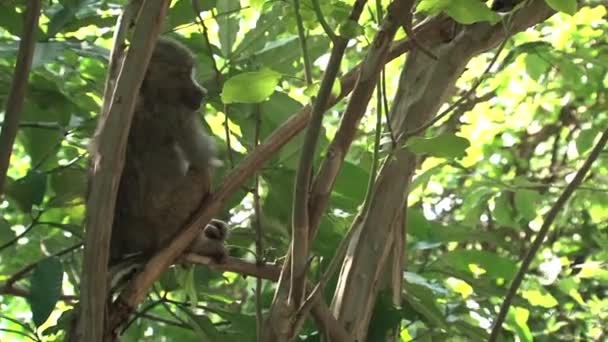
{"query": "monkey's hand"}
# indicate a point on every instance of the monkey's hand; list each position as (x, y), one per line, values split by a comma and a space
(210, 241)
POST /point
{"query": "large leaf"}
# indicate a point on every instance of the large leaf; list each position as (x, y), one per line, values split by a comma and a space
(250, 87)
(566, 6)
(45, 289)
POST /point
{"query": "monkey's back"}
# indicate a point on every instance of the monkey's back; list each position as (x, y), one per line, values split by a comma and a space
(158, 191)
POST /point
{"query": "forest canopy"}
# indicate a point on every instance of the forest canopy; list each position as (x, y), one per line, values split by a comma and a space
(391, 170)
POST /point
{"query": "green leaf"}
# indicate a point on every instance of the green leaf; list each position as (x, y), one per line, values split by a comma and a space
(536, 66)
(385, 318)
(540, 298)
(526, 202)
(180, 13)
(566, 6)
(350, 29)
(470, 11)
(475, 202)
(494, 265)
(463, 11)
(250, 87)
(585, 140)
(423, 300)
(517, 319)
(169, 280)
(503, 212)
(60, 19)
(28, 191)
(539, 48)
(432, 7)
(45, 289)
(447, 146)
(6, 233)
(68, 184)
(424, 178)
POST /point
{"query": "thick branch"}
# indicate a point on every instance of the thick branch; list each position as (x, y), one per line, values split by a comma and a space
(108, 153)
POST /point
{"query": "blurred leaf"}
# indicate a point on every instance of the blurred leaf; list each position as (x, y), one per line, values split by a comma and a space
(182, 12)
(585, 140)
(45, 288)
(204, 328)
(28, 191)
(503, 212)
(566, 6)
(517, 319)
(526, 202)
(494, 265)
(423, 301)
(283, 54)
(447, 146)
(350, 29)
(534, 48)
(385, 317)
(228, 24)
(6, 233)
(540, 298)
(463, 11)
(68, 184)
(536, 66)
(250, 87)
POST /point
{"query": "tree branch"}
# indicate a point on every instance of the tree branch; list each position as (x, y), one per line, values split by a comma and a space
(108, 153)
(16, 95)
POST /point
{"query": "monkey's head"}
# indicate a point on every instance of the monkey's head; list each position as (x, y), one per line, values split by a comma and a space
(170, 79)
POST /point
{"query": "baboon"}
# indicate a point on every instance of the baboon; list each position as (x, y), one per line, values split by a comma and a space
(168, 162)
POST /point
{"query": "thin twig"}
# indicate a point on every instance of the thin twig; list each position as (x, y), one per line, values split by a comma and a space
(259, 241)
(303, 43)
(328, 31)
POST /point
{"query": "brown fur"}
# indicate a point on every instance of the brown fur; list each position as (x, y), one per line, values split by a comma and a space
(168, 162)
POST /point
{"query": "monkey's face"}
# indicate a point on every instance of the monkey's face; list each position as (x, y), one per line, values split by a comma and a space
(172, 85)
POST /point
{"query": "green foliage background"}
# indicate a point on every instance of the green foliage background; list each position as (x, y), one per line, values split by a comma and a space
(488, 175)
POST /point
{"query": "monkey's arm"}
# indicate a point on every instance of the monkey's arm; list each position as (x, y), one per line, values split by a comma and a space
(197, 146)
